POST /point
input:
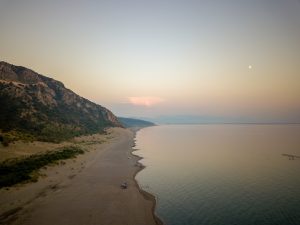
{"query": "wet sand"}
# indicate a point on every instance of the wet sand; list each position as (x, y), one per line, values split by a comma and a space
(84, 191)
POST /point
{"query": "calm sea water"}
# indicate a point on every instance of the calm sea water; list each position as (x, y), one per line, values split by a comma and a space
(222, 174)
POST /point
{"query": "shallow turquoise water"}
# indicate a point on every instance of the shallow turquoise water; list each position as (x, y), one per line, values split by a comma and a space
(222, 174)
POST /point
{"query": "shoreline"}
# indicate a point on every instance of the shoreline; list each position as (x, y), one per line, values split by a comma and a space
(146, 195)
(150, 197)
(85, 190)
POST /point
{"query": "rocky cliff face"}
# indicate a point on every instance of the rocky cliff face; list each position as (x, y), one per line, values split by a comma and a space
(43, 107)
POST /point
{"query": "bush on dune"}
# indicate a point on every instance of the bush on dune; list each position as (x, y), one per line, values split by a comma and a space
(19, 170)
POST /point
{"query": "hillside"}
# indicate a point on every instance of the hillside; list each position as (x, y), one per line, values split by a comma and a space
(40, 108)
(130, 122)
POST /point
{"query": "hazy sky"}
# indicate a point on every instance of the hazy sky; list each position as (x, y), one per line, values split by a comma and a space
(236, 58)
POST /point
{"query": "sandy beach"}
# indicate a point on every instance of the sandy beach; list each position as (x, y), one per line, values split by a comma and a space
(85, 190)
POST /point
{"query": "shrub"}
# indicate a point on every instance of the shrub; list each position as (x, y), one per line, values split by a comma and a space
(14, 171)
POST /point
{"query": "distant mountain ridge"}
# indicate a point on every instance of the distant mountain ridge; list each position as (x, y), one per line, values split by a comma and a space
(131, 122)
(42, 107)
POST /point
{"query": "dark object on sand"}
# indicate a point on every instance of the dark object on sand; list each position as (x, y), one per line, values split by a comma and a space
(124, 185)
(138, 165)
(291, 157)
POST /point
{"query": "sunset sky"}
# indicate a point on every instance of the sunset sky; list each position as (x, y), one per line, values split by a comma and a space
(223, 58)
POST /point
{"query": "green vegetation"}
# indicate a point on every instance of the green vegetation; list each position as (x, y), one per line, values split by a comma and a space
(21, 170)
(40, 108)
(13, 135)
(50, 124)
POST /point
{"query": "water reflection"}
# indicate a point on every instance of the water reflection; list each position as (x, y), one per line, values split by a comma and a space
(222, 174)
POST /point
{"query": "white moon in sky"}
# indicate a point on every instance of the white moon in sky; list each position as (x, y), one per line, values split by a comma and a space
(250, 67)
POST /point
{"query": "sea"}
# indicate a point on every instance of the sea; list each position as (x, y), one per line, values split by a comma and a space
(225, 174)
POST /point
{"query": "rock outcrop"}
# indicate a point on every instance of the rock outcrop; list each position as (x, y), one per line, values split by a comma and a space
(45, 108)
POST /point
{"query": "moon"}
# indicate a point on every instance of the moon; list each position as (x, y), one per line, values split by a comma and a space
(249, 67)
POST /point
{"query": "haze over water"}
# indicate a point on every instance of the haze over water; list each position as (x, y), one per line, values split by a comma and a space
(222, 174)
(235, 60)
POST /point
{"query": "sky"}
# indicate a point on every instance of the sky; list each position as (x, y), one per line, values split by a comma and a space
(214, 58)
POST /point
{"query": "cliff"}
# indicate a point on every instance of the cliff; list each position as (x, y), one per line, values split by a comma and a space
(45, 109)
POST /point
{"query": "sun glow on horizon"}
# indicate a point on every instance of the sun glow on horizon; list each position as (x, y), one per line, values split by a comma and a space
(163, 57)
(145, 101)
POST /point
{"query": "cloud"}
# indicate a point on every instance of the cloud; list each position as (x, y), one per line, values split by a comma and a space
(145, 101)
